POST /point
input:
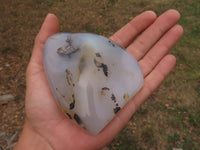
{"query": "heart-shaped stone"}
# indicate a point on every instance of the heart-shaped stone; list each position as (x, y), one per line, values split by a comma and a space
(90, 76)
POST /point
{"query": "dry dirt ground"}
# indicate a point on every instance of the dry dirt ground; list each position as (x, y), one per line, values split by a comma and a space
(170, 118)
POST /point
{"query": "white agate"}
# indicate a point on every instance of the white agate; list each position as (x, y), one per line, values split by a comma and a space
(91, 77)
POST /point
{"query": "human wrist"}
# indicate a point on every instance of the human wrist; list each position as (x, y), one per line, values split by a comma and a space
(31, 140)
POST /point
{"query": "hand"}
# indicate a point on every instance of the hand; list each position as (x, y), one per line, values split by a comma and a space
(46, 127)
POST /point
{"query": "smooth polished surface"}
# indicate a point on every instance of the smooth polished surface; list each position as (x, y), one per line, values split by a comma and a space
(91, 77)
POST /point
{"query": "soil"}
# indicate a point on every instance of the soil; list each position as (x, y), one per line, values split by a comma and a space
(170, 118)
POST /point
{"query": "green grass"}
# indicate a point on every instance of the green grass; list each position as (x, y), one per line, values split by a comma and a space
(171, 116)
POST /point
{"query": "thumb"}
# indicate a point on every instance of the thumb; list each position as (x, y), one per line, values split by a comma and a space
(49, 27)
(38, 93)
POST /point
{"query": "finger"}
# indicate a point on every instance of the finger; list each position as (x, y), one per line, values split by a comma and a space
(126, 34)
(49, 27)
(161, 48)
(151, 82)
(144, 42)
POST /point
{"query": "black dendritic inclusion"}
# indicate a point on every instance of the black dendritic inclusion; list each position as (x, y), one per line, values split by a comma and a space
(67, 49)
(70, 117)
(69, 77)
(105, 69)
(116, 109)
(113, 98)
(101, 65)
(72, 105)
(98, 54)
(77, 118)
(105, 88)
(71, 84)
(111, 43)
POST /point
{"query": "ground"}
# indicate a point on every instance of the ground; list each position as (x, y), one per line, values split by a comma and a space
(168, 119)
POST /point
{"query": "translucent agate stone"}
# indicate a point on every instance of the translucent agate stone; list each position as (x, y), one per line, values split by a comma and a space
(91, 77)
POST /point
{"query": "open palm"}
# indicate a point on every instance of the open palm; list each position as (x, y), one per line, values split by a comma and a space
(155, 37)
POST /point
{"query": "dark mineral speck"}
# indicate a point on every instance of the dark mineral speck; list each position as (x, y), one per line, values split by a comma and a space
(98, 54)
(98, 61)
(77, 118)
(105, 88)
(111, 43)
(69, 40)
(70, 117)
(69, 77)
(113, 97)
(116, 109)
(105, 69)
(72, 105)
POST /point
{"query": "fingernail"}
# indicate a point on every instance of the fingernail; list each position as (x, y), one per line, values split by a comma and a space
(48, 15)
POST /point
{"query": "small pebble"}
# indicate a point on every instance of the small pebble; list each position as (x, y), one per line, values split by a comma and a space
(6, 98)
(7, 65)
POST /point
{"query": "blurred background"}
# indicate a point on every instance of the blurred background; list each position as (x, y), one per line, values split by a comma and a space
(169, 119)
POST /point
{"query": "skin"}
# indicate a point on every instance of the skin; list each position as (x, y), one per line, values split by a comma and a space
(47, 128)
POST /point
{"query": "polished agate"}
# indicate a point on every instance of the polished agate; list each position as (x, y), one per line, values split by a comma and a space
(91, 77)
